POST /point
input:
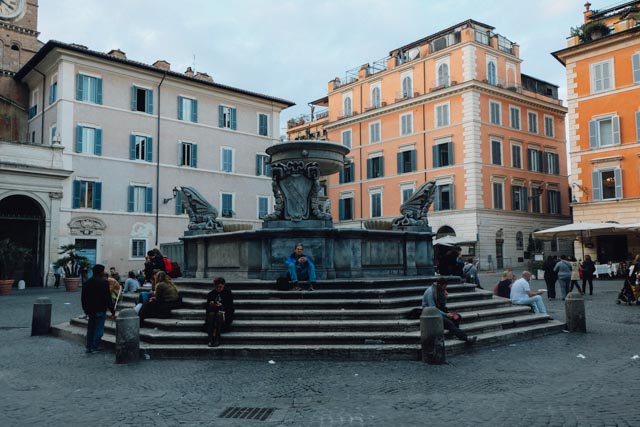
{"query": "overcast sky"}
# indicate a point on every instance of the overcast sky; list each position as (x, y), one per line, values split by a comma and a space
(291, 48)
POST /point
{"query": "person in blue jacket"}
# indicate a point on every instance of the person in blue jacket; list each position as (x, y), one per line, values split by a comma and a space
(300, 267)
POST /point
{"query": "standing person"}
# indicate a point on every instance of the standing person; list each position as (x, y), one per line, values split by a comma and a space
(58, 273)
(550, 276)
(521, 294)
(300, 267)
(563, 270)
(459, 265)
(96, 299)
(436, 296)
(131, 284)
(588, 268)
(219, 311)
(575, 275)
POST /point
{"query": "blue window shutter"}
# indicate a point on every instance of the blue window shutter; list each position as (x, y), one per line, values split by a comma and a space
(452, 197)
(513, 198)
(78, 139)
(76, 194)
(179, 203)
(617, 174)
(130, 192)
(341, 209)
(194, 155)
(529, 159)
(181, 154)
(180, 112)
(258, 164)
(79, 87)
(148, 199)
(400, 165)
(264, 125)
(616, 130)
(98, 144)
(267, 169)
(369, 168)
(134, 98)
(51, 94)
(636, 67)
(540, 155)
(596, 185)
(233, 119)
(194, 111)
(436, 157)
(524, 199)
(638, 126)
(381, 166)
(99, 91)
(414, 160)
(556, 161)
(149, 150)
(220, 116)
(132, 147)
(593, 134)
(436, 200)
(149, 101)
(450, 152)
(97, 195)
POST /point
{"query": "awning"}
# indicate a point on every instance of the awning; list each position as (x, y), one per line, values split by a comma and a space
(578, 229)
(453, 241)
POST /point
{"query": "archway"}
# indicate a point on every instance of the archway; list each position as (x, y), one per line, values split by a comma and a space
(23, 221)
(445, 230)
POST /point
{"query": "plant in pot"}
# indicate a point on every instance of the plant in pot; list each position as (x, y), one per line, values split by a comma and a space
(73, 264)
(590, 31)
(11, 255)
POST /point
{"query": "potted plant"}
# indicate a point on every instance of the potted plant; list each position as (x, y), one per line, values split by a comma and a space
(73, 264)
(590, 31)
(11, 255)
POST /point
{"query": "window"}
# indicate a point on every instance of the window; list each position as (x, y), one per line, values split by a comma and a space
(494, 107)
(188, 154)
(553, 163)
(374, 132)
(226, 159)
(346, 173)
(519, 195)
(263, 206)
(534, 160)
(554, 245)
(227, 117)
(88, 89)
(442, 115)
(406, 193)
(519, 241)
(406, 124)
(496, 152)
(375, 200)
(638, 126)
(492, 77)
(407, 87)
(263, 167)
(635, 59)
(601, 76)
(138, 248)
(375, 97)
(346, 138)
(140, 148)
(516, 156)
(53, 90)
(187, 109)
(536, 199)
(406, 161)
(553, 201)
(140, 199)
(533, 122)
(180, 208)
(263, 125)
(141, 100)
(53, 134)
(88, 140)
(347, 110)
(87, 195)
(548, 126)
(607, 184)
(498, 195)
(443, 74)
(514, 116)
(345, 209)
(443, 199)
(375, 167)
(226, 201)
(33, 110)
(443, 154)
(604, 131)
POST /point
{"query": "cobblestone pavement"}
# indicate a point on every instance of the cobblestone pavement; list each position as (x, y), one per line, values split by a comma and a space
(541, 382)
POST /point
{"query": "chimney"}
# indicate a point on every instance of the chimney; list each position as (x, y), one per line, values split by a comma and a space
(162, 64)
(188, 72)
(117, 53)
(204, 76)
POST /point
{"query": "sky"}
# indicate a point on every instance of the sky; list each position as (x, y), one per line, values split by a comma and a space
(291, 49)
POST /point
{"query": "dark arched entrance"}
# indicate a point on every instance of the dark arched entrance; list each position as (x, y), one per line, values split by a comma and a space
(23, 221)
(445, 230)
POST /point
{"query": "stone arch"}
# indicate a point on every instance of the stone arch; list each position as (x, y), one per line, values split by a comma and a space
(445, 230)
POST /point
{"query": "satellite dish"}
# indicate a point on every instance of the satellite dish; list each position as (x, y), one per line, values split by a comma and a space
(414, 53)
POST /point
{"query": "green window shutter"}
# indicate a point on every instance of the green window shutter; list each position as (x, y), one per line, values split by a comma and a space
(180, 112)
(400, 165)
(234, 124)
(638, 126)
(529, 158)
(616, 130)
(134, 98)
(194, 155)
(99, 91)
(381, 167)
(617, 174)
(540, 155)
(149, 101)
(98, 144)
(436, 157)
(436, 199)
(258, 164)
(220, 116)
(132, 147)
(414, 160)
(52, 96)
(76, 194)
(556, 163)
(78, 139)
(80, 87)
(636, 67)
(596, 185)
(263, 127)
(341, 209)
(130, 192)
(179, 203)
(524, 199)
(549, 196)
(149, 150)
(97, 195)
(180, 154)
(513, 198)
(369, 168)
(148, 199)
(450, 152)
(194, 111)
(593, 134)
(452, 197)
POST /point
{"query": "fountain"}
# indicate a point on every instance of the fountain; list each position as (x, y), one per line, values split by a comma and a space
(302, 214)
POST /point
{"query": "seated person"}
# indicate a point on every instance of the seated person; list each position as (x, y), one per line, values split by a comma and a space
(114, 273)
(300, 267)
(131, 284)
(503, 288)
(436, 296)
(521, 294)
(166, 298)
(219, 311)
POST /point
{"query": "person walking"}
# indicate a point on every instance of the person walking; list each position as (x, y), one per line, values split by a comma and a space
(563, 270)
(588, 268)
(550, 277)
(575, 275)
(96, 300)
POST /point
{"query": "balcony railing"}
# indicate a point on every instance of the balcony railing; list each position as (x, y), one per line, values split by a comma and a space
(307, 118)
(402, 95)
(441, 84)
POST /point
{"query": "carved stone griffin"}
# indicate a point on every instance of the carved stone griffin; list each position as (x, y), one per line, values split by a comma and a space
(414, 210)
(202, 215)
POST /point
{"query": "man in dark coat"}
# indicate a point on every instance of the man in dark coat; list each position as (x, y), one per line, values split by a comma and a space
(219, 311)
(96, 299)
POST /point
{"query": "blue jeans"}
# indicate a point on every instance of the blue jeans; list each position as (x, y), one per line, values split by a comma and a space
(564, 285)
(303, 271)
(534, 301)
(95, 329)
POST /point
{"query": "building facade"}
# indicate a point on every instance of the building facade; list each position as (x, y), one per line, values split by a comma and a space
(602, 59)
(453, 107)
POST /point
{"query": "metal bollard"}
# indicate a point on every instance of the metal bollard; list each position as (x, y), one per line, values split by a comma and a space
(432, 336)
(127, 336)
(575, 312)
(41, 320)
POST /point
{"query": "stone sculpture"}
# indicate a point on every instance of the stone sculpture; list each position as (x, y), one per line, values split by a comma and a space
(202, 215)
(414, 210)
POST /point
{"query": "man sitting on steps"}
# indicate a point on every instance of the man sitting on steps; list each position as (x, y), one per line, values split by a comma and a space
(521, 294)
(300, 267)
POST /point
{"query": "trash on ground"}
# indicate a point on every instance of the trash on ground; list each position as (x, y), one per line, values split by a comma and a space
(581, 356)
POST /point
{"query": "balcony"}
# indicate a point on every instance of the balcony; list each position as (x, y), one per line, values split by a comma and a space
(441, 84)
(402, 95)
(370, 107)
(307, 118)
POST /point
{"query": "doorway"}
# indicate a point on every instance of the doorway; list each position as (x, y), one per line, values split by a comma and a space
(612, 248)
(499, 254)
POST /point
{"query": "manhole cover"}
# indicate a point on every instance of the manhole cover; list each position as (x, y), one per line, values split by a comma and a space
(260, 414)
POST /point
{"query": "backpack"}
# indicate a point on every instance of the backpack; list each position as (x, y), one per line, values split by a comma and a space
(282, 284)
(167, 265)
(175, 270)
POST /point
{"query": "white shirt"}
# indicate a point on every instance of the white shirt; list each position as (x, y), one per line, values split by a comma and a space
(519, 289)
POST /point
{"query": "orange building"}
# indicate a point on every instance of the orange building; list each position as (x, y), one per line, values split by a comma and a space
(453, 107)
(603, 75)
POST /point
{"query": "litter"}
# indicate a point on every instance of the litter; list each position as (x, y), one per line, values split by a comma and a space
(272, 362)
(581, 356)
(147, 356)
(636, 357)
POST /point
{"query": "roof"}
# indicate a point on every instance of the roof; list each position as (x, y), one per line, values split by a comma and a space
(558, 54)
(54, 44)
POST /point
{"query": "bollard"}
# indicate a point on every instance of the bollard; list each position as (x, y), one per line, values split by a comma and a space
(575, 313)
(127, 336)
(41, 320)
(432, 336)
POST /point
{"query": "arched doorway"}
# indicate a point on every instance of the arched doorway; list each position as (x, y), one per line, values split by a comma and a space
(445, 230)
(23, 221)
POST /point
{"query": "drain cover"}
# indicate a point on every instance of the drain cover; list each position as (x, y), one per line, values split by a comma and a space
(260, 414)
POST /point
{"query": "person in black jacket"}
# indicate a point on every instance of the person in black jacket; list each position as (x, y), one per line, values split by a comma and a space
(550, 276)
(219, 311)
(588, 268)
(96, 299)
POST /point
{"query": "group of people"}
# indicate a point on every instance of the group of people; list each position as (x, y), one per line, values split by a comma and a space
(451, 263)
(519, 291)
(568, 272)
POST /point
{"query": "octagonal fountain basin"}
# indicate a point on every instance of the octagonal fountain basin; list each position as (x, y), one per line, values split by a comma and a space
(328, 155)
